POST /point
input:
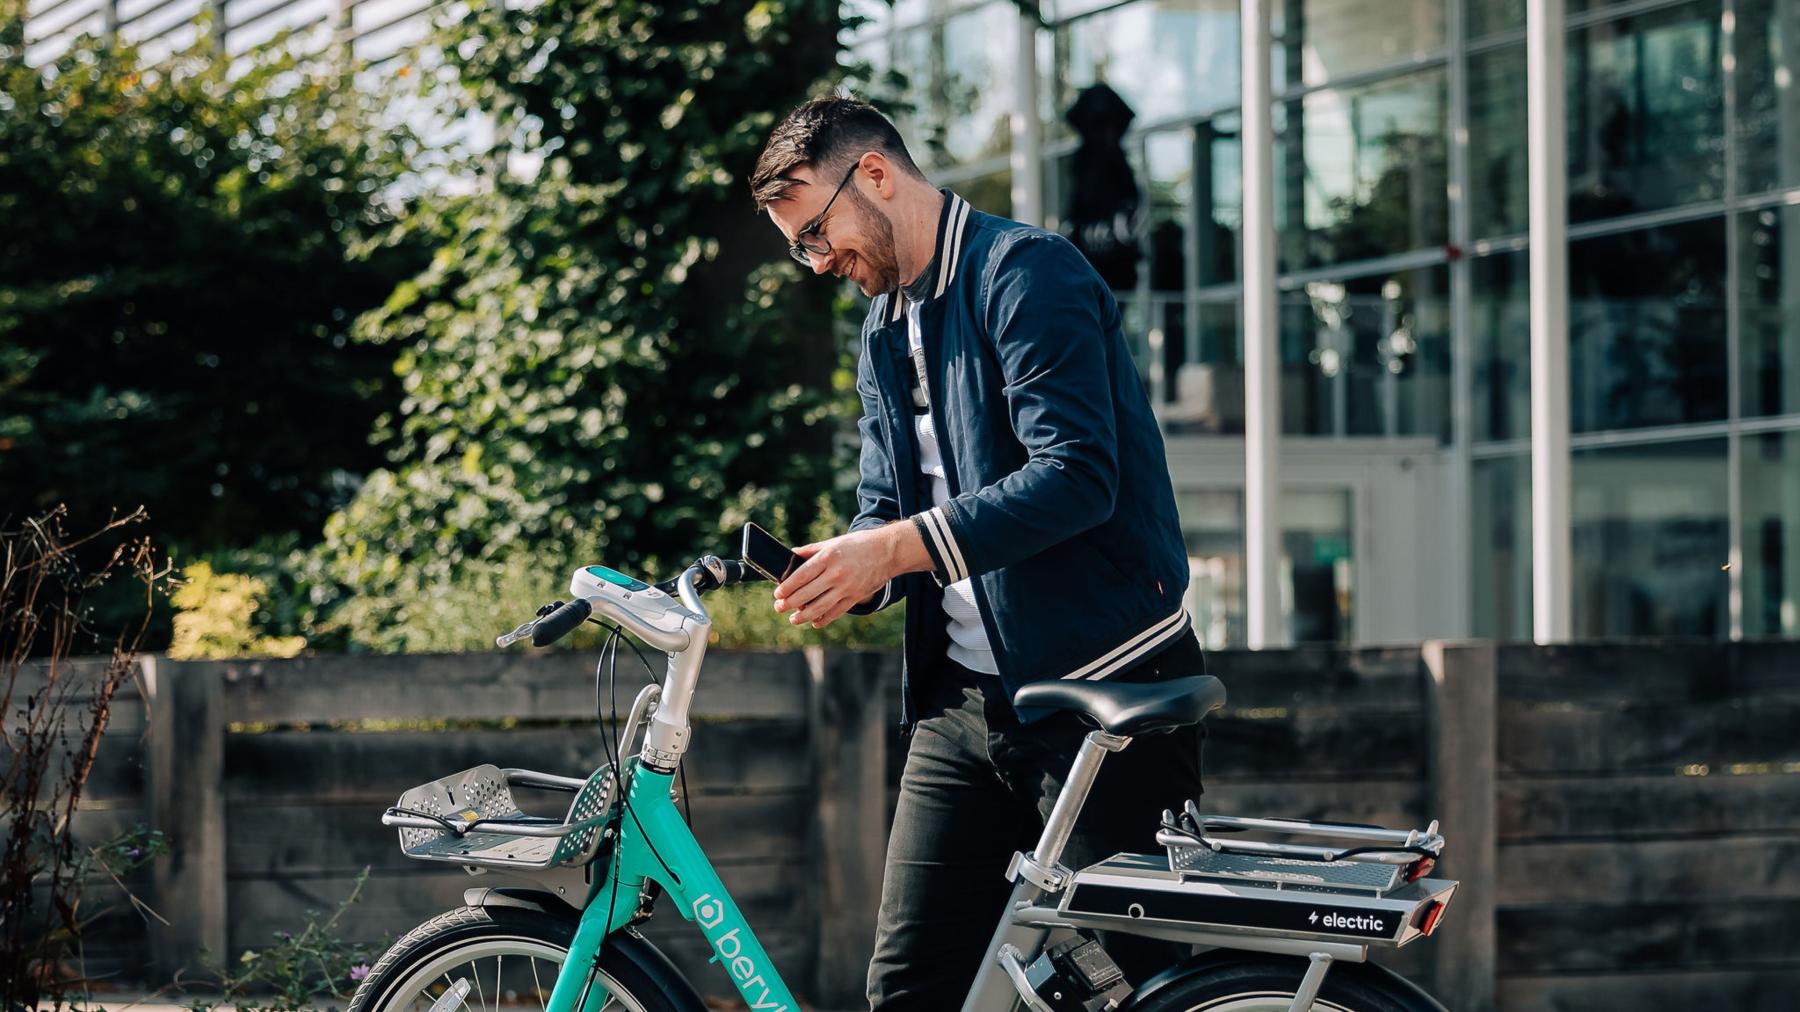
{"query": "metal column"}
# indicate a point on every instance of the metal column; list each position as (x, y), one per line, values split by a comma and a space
(1551, 603)
(1027, 172)
(1262, 349)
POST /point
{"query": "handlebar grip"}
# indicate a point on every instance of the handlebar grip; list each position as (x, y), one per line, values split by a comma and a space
(738, 572)
(556, 625)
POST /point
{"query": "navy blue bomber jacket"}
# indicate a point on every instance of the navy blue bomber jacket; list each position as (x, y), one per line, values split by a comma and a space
(1060, 502)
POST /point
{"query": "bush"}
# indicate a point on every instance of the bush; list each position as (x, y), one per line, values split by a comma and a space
(608, 357)
(185, 248)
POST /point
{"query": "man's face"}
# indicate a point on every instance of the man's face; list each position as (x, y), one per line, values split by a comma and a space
(859, 234)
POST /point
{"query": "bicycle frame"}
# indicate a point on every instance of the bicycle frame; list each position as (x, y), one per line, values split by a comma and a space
(654, 843)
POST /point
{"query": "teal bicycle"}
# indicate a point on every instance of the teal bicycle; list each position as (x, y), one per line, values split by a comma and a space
(1276, 903)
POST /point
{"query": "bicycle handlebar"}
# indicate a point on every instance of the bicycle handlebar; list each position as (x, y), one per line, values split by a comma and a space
(556, 620)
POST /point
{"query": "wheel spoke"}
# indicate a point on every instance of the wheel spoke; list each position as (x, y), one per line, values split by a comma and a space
(543, 1003)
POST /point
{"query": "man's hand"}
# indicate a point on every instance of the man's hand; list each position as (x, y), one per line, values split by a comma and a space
(844, 571)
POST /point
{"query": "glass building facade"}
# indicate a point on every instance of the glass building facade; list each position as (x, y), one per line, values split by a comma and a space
(1400, 205)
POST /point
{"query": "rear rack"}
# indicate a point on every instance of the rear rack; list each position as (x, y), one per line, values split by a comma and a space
(470, 818)
(1363, 859)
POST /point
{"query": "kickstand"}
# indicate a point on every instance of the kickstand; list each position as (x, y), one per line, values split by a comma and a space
(1310, 984)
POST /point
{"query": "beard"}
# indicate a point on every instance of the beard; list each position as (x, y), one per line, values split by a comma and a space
(880, 261)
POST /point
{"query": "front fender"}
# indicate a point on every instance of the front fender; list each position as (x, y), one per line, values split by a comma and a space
(626, 941)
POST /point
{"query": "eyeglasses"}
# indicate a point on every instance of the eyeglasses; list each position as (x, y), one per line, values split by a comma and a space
(818, 245)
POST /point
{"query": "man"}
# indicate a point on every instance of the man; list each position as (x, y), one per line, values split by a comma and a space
(1014, 492)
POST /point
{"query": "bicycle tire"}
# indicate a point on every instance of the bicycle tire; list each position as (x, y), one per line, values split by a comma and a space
(1267, 984)
(468, 934)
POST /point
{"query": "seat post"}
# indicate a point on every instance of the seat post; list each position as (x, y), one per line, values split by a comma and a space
(1061, 823)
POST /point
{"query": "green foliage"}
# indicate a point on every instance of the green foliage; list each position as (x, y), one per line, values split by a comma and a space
(215, 617)
(608, 360)
(290, 974)
(178, 281)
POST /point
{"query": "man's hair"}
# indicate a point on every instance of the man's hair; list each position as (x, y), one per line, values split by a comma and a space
(826, 133)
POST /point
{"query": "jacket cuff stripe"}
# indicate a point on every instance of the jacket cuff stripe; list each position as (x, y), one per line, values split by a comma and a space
(1130, 650)
(934, 547)
(953, 557)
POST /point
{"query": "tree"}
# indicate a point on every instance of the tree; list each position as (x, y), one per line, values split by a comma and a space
(602, 356)
(178, 277)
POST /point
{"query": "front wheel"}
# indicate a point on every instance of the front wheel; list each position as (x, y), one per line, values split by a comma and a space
(1241, 984)
(505, 961)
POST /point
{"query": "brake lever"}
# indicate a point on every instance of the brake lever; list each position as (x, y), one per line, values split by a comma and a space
(516, 635)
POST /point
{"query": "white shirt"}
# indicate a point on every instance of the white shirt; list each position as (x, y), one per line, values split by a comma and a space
(969, 644)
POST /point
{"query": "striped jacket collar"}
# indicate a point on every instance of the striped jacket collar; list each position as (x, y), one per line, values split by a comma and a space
(952, 237)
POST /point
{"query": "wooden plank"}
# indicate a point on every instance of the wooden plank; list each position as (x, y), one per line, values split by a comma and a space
(1627, 735)
(477, 686)
(1612, 808)
(1661, 671)
(1379, 802)
(116, 775)
(1761, 866)
(73, 671)
(738, 756)
(850, 763)
(1461, 719)
(1308, 742)
(1399, 803)
(187, 753)
(270, 841)
(1388, 677)
(1769, 989)
(1576, 938)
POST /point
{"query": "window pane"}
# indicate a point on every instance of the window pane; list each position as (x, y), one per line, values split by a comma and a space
(1646, 112)
(959, 79)
(1647, 327)
(1368, 356)
(1318, 41)
(1500, 560)
(1212, 523)
(1485, 17)
(1168, 186)
(1166, 58)
(1497, 169)
(1500, 312)
(1218, 185)
(1767, 131)
(1360, 173)
(1317, 565)
(1208, 394)
(1771, 464)
(1650, 540)
(1769, 308)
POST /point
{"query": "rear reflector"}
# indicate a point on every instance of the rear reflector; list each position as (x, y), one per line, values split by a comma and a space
(1434, 912)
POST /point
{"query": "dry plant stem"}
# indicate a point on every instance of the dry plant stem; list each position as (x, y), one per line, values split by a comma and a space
(51, 732)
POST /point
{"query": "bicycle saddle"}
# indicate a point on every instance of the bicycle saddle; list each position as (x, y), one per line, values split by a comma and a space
(1129, 709)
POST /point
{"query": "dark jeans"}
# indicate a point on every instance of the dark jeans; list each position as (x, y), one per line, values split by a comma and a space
(978, 786)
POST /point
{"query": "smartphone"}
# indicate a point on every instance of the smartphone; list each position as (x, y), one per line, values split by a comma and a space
(768, 556)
